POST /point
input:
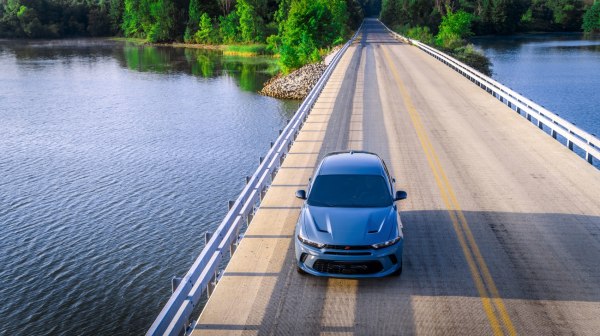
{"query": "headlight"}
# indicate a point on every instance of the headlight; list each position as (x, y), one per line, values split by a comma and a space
(310, 242)
(386, 243)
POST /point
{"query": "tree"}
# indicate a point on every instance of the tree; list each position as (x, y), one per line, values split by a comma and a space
(591, 18)
(194, 15)
(567, 14)
(454, 28)
(205, 32)
(228, 27)
(250, 23)
(310, 25)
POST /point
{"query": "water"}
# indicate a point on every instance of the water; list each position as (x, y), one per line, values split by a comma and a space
(558, 71)
(114, 160)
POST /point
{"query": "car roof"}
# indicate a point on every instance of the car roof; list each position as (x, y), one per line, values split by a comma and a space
(351, 163)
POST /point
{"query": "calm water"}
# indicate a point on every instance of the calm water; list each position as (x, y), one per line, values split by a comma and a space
(558, 71)
(114, 160)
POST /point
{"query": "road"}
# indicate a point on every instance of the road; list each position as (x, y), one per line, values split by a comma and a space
(502, 223)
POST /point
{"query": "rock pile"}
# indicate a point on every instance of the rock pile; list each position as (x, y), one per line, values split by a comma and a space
(296, 85)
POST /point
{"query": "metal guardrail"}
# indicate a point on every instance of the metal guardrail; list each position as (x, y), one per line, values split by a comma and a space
(174, 319)
(555, 125)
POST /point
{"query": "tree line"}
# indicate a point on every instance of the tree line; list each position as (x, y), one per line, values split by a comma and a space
(59, 18)
(496, 16)
(298, 30)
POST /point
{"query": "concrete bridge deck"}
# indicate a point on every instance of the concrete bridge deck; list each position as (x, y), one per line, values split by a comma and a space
(502, 224)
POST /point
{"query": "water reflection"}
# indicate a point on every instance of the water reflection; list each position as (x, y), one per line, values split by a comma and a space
(250, 73)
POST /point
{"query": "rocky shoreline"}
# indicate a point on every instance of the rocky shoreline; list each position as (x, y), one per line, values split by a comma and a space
(297, 84)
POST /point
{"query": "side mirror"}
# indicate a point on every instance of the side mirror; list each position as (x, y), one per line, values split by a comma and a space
(301, 194)
(400, 195)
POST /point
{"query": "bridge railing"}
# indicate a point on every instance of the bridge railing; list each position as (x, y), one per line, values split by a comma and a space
(174, 319)
(545, 120)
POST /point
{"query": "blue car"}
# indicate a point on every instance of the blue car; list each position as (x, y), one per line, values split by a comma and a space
(349, 226)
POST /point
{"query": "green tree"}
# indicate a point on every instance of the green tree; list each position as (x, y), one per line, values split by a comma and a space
(162, 13)
(228, 27)
(567, 14)
(309, 27)
(591, 18)
(250, 23)
(194, 15)
(454, 28)
(205, 33)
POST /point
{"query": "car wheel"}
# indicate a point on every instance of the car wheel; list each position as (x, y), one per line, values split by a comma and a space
(300, 270)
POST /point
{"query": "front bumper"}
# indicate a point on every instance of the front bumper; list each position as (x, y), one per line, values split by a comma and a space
(367, 263)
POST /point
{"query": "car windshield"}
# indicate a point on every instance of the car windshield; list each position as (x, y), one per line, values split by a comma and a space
(350, 191)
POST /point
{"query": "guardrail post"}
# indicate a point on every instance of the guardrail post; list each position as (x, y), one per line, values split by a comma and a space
(554, 133)
(211, 285)
(588, 155)
(234, 243)
(175, 281)
(230, 204)
(263, 192)
(207, 236)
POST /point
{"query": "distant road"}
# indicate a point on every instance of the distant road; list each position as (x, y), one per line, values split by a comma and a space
(502, 223)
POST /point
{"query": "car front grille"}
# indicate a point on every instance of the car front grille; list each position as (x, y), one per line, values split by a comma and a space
(347, 253)
(349, 247)
(347, 267)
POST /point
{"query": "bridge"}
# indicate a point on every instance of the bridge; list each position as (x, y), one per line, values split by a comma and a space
(502, 222)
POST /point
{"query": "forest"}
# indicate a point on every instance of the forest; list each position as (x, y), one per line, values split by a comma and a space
(496, 16)
(299, 31)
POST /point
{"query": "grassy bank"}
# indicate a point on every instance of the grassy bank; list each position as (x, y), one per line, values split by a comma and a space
(246, 49)
(243, 50)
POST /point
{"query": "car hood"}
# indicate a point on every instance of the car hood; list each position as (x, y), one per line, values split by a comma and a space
(349, 226)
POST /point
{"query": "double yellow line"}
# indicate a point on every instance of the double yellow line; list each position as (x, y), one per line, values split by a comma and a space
(490, 297)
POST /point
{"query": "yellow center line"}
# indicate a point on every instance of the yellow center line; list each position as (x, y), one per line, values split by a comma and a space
(467, 242)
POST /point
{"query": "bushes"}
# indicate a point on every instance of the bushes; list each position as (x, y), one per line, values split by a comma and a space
(419, 33)
(473, 58)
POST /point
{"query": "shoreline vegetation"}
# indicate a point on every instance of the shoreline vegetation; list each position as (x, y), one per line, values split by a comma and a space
(447, 24)
(296, 33)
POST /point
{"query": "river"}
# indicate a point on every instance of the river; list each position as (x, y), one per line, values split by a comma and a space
(560, 71)
(114, 160)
